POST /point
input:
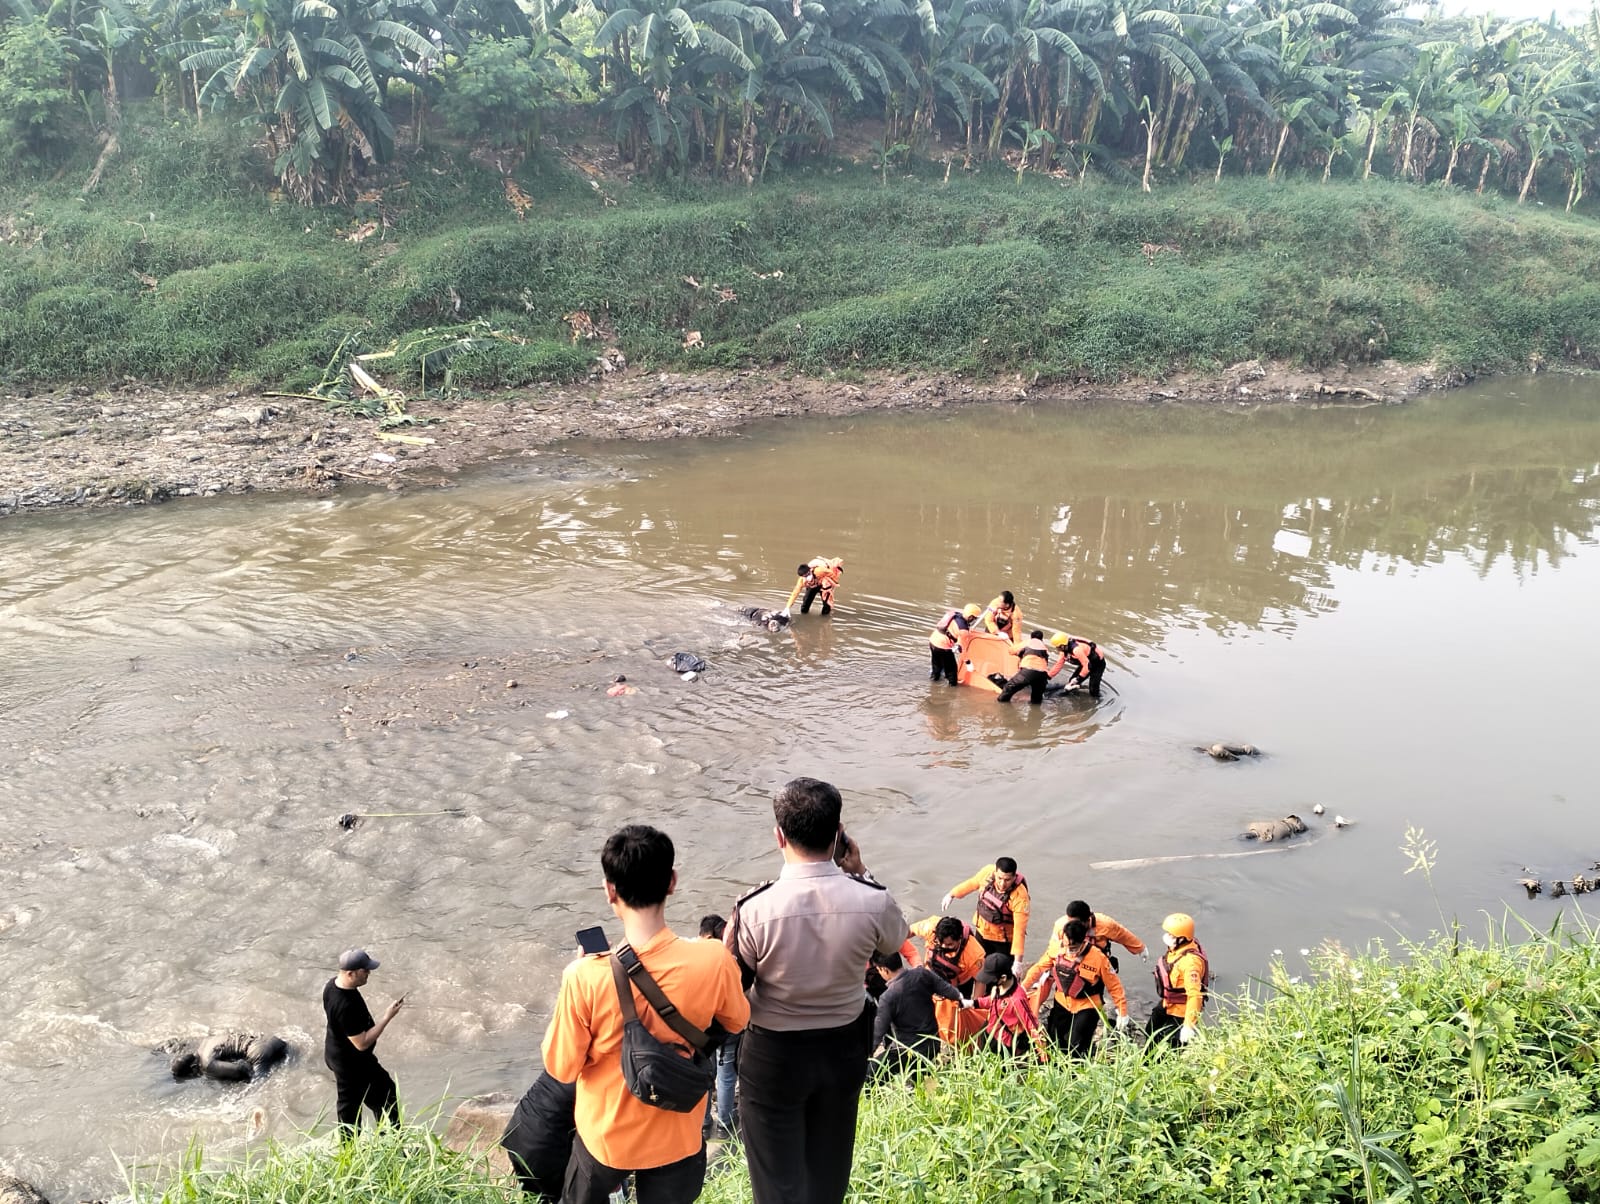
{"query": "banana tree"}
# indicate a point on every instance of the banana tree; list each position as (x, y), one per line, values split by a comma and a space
(100, 39)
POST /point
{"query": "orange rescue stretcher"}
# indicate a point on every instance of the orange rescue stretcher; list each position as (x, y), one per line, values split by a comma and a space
(980, 653)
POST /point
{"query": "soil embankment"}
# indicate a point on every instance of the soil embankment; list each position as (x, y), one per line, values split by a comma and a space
(134, 444)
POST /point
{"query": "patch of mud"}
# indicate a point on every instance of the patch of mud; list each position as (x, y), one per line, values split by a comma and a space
(133, 443)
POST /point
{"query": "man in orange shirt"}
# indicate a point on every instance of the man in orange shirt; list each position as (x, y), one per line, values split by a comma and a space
(1001, 920)
(617, 1133)
(954, 954)
(1077, 975)
(1103, 930)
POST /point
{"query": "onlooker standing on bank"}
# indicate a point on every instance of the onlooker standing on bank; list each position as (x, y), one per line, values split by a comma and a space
(619, 1134)
(801, 942)
(348, 1046)
(711, 929)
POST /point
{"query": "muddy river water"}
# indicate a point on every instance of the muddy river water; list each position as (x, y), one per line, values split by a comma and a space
(1396, 604)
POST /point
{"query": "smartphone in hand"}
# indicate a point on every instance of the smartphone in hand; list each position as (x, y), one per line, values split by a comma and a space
(593, 940)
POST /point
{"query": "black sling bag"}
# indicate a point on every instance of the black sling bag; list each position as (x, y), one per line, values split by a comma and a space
(669, 1076)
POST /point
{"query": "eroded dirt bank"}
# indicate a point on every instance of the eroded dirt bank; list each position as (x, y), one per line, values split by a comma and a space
(133, 444)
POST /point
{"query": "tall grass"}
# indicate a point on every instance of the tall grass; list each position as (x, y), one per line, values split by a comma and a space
(182, 268)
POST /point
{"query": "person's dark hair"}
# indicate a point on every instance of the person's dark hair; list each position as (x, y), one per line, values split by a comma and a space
(807, 811)
(1005, 596)
(1079, 910)
(1036, 635)
(891, 961)
(1075, 931)
(946, 928)
(1005, 865)
(803, 570)
(638, 861)
(712, 926)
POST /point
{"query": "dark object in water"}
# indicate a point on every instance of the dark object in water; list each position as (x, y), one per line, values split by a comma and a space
(231, 1057)
(1558, 890)
(1532, 885)
(688, 662)
(1228, 752)
(349, 820)
(772, 620)
(1275, 829)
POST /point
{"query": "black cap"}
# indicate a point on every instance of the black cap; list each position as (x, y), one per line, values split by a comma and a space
(994, 966)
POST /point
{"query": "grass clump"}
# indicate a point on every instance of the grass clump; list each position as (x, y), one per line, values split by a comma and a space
(404, 1164)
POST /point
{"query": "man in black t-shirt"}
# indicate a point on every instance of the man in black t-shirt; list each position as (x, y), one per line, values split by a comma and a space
(905, 1027)
(348, 1047)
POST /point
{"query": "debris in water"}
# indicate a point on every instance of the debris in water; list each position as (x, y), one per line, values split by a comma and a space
(1318, 809)
(556, 714)
(1340, 821)
(1223, 751)
(1532, 885)
(349, 820)
(512, 684)
(687, 662)
(1558, 890)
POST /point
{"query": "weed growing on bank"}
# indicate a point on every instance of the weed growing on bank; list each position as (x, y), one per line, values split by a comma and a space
(181, 268)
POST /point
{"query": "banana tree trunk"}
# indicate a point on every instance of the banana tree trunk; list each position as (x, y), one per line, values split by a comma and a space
(1527, 180)
(1575, 191)
(1411, 136)
(1372, 146)
(1450, 171)
(1149, 150)
(1327, 168)
(1484, 174)
(1283, 136)
(997, 131)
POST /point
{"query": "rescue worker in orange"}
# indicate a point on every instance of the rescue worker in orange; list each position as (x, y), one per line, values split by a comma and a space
(1001, 616)
(819, 576)
(942, 641)
(1077, 976)
(1183, 979)
(1083, 657)
(1001, 920)
(953, 953)
(1033, 664)
(1102, 931)
(1010, 1024)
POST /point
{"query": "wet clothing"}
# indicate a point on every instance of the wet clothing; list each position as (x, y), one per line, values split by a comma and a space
(359, 1079)
(539, 1136)
(584, 1045)
(801, 943)
(905, 1010)
(1033, 663)
(1086, 662)
(942, 644)
(1001, 921)
(1011, 1025)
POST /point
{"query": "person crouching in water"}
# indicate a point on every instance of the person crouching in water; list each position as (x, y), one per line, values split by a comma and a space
(819, 576)
(942, 641)
(1033, 664)
(1083, 658)
(1011, 1025)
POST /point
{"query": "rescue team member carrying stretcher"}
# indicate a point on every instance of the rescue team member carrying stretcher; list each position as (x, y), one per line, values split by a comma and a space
(1001, 616)
(1084, 658)
(954, 954)
(942, 641)
(819, 576)
(1033, 664)
(1077, 975)
(1010, 1023)
(1102, 931)
(1001, 920)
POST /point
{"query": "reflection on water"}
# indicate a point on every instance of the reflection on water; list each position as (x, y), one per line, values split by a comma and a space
(193, 693)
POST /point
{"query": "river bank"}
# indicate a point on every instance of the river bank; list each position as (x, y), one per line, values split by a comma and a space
(1449, 1070)
(134, 444)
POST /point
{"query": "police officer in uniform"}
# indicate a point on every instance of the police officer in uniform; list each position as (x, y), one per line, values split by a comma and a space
(801, 943)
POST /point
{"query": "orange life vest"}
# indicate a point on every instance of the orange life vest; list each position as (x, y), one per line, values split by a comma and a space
(995, 907)
(1176, 996)
(826, 573)
(948, 965)
(940, 636)
(1033, 649)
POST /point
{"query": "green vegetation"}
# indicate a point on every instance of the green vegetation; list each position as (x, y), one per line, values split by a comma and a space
(180, 268)
(1456, 1073)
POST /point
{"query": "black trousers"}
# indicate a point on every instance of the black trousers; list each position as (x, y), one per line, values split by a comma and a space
(944, 664)
(1164, 1026)
(592, 1182)
(1073, 1031)
(993, 946)
(375, 1090)
(1097, 670)
(798, 1096)
(811, 596)
(1031, 679)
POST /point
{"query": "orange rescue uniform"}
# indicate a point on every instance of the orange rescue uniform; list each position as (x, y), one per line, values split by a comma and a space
(584, 1045)
(955, 1025)
(998, 620)
(1093, 966)
(824, 575)
(1018, 905)
(1102, 931)
(1183, 993)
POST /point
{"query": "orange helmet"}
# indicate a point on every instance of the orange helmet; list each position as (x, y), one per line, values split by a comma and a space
(971, 610)
(1179, 925)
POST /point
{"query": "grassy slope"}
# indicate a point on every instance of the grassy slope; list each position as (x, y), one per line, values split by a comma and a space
(979, 275)
(1471, 1068)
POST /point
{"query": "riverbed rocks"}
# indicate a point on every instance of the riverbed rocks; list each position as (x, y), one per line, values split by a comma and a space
(19, 1191)
(476, 1125)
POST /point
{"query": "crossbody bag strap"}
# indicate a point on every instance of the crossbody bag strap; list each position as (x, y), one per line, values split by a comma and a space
(624, 992)
(625, 959)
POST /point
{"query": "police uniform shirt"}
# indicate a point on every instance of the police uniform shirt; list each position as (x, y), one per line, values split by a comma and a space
(807, 938)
